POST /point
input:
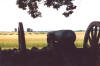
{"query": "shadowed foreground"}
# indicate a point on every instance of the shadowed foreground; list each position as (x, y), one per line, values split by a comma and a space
(51, 57)
(61, 51)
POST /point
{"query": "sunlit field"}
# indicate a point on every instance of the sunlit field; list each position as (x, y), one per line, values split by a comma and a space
(10, 39)
(79, 39)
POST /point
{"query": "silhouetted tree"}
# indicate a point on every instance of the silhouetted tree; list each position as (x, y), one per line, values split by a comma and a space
(29, 30)
(15, 29)
(32, 6)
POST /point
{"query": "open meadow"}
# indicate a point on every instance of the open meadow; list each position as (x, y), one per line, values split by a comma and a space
(10, 39)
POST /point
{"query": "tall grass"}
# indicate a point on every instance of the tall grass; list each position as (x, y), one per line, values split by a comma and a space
(10, 40)
(79, 39)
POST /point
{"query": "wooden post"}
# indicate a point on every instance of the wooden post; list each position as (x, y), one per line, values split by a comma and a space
(21, 37)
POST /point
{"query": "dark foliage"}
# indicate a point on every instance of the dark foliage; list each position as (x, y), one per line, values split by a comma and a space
(32, 5)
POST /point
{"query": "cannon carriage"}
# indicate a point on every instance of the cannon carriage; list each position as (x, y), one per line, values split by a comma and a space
(61, 50)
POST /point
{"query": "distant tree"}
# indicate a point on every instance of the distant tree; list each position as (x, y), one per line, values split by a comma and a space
(32, 6)
(29, 30)
(15, 29)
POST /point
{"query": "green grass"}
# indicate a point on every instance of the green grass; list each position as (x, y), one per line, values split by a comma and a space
(10, 40)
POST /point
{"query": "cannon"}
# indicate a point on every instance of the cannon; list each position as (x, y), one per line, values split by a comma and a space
(61, 49)
(63, 38)
(91, 38)
(91, 43)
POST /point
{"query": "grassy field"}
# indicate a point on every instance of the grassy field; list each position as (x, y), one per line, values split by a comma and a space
(79, 39)
(10, 39)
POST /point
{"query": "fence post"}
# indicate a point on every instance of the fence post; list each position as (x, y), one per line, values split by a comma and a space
(21, 37)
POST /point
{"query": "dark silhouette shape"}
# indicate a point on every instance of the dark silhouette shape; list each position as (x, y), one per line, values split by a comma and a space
(33, 6)
(92, 41)
(62, 38)
(60, 51)
(62, 43)
(21, 38)
(92, 35)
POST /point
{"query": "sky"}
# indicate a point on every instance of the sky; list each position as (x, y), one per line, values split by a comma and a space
(86, 12)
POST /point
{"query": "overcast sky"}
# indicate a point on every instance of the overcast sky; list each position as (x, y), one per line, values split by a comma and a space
(86, 12)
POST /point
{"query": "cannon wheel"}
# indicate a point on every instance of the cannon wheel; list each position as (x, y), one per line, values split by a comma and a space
(92, 36)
